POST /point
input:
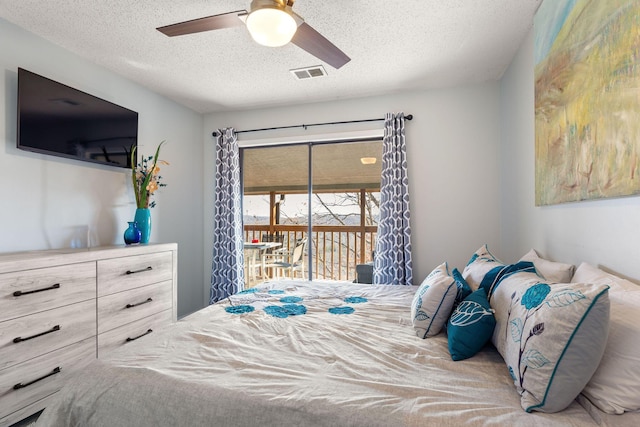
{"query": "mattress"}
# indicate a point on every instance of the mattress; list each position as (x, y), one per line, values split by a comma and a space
(294, 353)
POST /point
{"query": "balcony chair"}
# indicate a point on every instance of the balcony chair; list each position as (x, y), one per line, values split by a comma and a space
(286, 262)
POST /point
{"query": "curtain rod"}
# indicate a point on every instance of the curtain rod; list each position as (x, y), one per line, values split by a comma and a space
(407, 117)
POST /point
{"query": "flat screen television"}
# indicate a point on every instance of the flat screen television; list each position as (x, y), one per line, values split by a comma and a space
(62, 121)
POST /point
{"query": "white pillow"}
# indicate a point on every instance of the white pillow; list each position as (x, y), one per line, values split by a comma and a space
(550, 335)
(433, 302)
(550, 270)
(481, 262)
(615, 386)
(485, 270)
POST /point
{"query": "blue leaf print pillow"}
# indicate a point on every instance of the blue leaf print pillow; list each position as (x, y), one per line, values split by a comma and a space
(433, 302)
(550, 335)
(481, 262)
(470, 326)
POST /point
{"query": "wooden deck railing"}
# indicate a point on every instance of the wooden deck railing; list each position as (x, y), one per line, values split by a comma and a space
(335, 250)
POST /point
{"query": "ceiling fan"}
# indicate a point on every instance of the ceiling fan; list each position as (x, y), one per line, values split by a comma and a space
(270, 23)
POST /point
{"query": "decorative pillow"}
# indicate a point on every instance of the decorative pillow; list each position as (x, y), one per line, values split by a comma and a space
(463, 287)
(433, 302)
(615, 387)
(470, 326)
(553, 271)
(492, 279)
(551, 337)
(481, 262)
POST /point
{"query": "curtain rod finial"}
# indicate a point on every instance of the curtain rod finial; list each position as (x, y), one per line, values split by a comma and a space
(409, 117)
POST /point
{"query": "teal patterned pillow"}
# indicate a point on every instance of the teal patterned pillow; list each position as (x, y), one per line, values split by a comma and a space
(470, 326)
(550, 335)
(463, 287)
(433, 302)
(492, 279)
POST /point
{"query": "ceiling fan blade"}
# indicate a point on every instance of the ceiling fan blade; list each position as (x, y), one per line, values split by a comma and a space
(316, 44)
(215, 22)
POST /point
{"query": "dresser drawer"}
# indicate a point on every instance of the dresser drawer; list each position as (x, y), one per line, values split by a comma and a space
(120, 274)
(26, 411)
(31, 291)
(28, 382)
(125, 307)
(26, 337)
(132, 332)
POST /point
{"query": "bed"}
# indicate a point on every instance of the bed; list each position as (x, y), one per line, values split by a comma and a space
(296, 353)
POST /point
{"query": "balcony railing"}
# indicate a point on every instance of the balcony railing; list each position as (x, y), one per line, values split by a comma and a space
(335, 250)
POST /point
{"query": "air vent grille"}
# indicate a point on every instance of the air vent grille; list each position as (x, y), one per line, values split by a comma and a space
(309, 72)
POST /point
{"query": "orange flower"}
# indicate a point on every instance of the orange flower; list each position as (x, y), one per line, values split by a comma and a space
(145, 178)
(153, 186)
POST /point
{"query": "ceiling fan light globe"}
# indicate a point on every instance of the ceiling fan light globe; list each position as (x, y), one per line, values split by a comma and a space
(271, 27)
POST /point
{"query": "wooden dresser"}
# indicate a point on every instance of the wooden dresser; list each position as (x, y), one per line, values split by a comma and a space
(60, 309)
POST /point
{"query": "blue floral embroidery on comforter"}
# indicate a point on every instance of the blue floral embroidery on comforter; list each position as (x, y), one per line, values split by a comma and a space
(341, 310)
(355, 300)
(290, 303)
(284, 311)
(239, 309)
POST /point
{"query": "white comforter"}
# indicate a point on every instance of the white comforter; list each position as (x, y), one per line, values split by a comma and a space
(367, 368)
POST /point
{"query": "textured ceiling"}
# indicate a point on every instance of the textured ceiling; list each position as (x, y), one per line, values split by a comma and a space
(394, 46)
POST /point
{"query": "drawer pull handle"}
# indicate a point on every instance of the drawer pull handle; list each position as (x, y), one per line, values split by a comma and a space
(140, 303)
(20, 293)
(140, 336)
(20, 339)
(20, 385)
(139, 271)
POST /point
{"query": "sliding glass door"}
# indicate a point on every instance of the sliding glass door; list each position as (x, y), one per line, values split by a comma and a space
(345, 206)
(333, 215)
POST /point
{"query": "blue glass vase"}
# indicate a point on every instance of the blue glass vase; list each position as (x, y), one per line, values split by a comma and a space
(143, 218)
(132, 234)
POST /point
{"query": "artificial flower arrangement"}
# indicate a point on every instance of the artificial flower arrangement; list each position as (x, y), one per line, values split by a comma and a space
(145, 177)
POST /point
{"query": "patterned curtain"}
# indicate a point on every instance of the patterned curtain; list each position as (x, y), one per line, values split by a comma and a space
(227, 272)
(392, 261)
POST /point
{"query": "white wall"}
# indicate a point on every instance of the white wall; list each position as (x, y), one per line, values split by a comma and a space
(453, 147)
(602, 232)
(48, 202)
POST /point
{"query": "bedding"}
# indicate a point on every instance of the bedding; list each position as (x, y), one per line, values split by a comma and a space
(615, 386)
(293, 353)
(433, 302)
(558, 272)
(551, 336)
(481, 262)
(470, 326)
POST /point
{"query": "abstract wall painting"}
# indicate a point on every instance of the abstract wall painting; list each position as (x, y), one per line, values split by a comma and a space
(587, 100)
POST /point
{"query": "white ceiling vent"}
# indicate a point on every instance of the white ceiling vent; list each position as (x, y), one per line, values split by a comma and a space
(309, 72)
